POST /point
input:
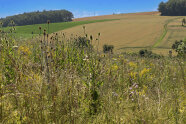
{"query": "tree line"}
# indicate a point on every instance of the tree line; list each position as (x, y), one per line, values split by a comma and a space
(38, 17)
(173, 8)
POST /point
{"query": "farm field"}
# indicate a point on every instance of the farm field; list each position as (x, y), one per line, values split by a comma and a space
(127, 32)
(134, 31)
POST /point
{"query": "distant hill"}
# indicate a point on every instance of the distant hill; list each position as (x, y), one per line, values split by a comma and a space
(38, 17)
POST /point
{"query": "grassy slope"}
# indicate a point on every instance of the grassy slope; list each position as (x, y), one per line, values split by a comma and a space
(26, 31)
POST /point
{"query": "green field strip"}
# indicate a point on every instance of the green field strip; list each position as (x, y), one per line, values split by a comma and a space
(53, 27)
(164, 32)
(143, 48)
(134, 48)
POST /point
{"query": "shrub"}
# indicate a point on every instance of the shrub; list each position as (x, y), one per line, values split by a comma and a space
(108, 48)
(148, 53)
(82, 42)
(145, 52)
(180, 47)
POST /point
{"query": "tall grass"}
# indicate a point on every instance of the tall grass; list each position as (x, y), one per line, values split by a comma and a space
(52, 80)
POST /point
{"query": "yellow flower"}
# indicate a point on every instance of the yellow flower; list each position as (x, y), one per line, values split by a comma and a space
(114, 67)
(182, 109)
(132, 64)
(133, 75)
(121, 56)
(24, 50)
(143, 91)
(151, 64)
(144, 71)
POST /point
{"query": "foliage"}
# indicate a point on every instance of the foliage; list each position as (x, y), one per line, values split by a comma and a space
(183, 22)
(108, 48)
(38, 17)
(148, 53)
(180, 47)
(82, 42)
(173, 8)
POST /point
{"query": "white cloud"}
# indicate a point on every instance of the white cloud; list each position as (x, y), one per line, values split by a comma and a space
(80, 14)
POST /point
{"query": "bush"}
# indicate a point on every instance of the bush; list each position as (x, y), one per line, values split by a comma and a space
(108, 48)
(145, 52)
(180, 47)
(148, 53)
(82, 42)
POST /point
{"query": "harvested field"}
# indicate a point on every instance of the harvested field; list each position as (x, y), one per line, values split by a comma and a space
(131, 31)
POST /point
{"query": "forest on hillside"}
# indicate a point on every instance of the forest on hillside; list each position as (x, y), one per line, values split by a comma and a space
(38, 17)
(173, 8)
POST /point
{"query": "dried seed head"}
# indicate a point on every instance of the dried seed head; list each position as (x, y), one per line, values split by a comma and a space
(91, 38)
(40, 28)
(48, 21)
(44, 32)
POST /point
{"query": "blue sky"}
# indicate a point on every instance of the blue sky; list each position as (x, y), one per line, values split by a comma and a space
(80, 8)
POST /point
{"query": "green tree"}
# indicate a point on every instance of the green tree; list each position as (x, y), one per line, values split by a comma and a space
(180, 47)
(173, 8)
(38, 17)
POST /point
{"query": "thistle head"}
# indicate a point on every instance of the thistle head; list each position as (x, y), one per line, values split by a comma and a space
(91, 38)
(44, 31)
(48, 22)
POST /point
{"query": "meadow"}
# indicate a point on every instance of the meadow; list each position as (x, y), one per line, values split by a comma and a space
(56, 81)
(63, 78)
(28, 31)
